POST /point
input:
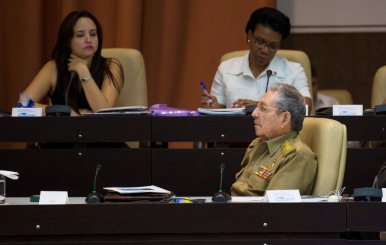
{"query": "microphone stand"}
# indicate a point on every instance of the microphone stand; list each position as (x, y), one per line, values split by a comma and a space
(94, 196)
(61, 110)
(250, 108)
(221, 196)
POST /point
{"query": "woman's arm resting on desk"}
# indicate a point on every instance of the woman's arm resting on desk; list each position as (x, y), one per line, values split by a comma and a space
(43, 83)
(108, 94)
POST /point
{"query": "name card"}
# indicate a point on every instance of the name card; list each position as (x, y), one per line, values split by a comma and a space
(306, 110)
(283, 196)
(27, 112)
(53, 197)
(347, 110)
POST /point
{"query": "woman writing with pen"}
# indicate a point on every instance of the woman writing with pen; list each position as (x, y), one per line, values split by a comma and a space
(242, 81)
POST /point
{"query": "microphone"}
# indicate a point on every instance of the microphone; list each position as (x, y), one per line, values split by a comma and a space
(269, 73)
(250, 108)
(373, 193)
(94, 196)
(221, 196)
(379, 179)
(62, 110)
(72, 76)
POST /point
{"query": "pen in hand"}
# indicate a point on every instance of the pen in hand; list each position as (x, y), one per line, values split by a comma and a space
(206, 91)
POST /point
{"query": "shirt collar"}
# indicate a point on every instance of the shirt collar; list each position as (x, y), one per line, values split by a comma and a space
(242, 68)
(277, 66)
(275, 144)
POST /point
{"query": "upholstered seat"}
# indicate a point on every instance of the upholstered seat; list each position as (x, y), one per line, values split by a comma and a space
(341, 95)
(379, 87)
(134, 91)
(327, 138)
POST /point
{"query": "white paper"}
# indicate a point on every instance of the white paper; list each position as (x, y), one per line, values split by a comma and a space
(247, 199)
(138, 189)
(123, 109)
(27, 112)
(347, 110)
(53, 197)
(383, 194)
(283, 196)
(10, 174)
(222, 111)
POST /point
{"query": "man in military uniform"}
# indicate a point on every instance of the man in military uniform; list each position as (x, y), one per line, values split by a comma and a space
(277, 159)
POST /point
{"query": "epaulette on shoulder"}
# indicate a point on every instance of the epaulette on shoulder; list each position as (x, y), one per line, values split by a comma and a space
(288, 147)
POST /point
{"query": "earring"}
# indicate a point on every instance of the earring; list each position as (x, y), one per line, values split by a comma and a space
(248, 41)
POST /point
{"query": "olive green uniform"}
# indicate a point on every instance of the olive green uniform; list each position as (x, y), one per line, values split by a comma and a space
(284, 162)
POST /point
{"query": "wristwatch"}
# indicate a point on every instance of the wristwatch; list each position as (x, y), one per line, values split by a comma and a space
(85, 79)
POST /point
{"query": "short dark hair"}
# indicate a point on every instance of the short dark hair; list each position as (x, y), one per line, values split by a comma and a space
(289, 99)
(271, 18)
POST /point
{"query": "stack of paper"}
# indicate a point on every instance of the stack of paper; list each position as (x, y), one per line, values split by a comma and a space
(124, 110)
(222, 111)
(138, 190)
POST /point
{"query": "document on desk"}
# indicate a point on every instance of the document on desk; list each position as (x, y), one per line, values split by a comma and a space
(131, 110)
(138, 190)
(247, 199)
(123, 109)
(222, 111)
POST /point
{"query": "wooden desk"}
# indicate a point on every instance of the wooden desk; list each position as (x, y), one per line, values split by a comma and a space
(240, 128)
(114, 128)
(194, 177)
(186, 171)
(72, 169)
(365, 220)
(208, 223)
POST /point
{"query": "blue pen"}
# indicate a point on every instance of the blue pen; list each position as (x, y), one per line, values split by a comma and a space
(205, 90)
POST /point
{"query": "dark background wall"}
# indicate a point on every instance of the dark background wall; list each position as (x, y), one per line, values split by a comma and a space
(344, 60)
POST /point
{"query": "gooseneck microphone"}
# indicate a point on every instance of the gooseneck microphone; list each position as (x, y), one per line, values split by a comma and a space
(250, 108)
(373, 193)
(221, 196)
(379, 179)
(94, 196)
(62, 110)
(72, 76)
(269, 74)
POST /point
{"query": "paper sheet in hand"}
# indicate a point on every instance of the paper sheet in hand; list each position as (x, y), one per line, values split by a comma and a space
(138, 190)
(222, 111)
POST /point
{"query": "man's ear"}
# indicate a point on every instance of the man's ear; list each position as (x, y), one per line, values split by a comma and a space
(286, 119)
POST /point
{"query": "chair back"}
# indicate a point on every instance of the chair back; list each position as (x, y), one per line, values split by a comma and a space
(134, 91)
(378, 94)
(327, 138)
(291, 55)
(341, 95)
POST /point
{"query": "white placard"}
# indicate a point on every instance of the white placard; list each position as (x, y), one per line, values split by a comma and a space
(283, 196)
(347, 110)
(383, 194)
(27, 112)
(53, 197)
(306, 110)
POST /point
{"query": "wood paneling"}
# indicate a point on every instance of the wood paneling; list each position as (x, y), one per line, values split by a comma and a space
(344, 60)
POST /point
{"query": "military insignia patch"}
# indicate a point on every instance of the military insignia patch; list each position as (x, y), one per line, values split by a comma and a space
(287, 147)
(263, 172)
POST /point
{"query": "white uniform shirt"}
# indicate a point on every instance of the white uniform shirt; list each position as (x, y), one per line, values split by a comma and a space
(234, 79)
(323, 100)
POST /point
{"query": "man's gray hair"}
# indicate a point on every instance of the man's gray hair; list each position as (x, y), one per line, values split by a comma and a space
(289, 99)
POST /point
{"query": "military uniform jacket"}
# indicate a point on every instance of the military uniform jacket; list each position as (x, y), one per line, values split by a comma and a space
(278, 164)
